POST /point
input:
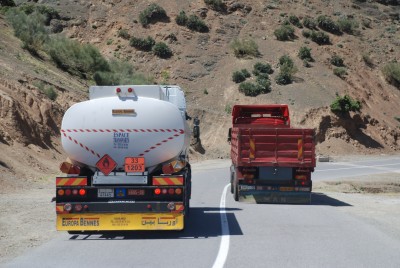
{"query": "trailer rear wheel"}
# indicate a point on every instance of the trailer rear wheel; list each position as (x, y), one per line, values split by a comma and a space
(231, 183)
(235, 190)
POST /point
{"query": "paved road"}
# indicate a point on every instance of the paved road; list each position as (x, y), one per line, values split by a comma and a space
(314, 235)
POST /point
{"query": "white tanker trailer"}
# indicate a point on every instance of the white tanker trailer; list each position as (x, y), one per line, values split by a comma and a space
(127, 165)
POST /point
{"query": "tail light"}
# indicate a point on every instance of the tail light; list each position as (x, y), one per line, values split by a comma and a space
(118, 90)
(157, 191)
(74, 191)
(82, 192)
(178, 191)
(68, 207)
(60, 192)
(68, 192)
(171, 191)
(301, 177)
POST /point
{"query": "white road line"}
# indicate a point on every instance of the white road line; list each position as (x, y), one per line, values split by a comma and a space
(224, 245)
(353, 166)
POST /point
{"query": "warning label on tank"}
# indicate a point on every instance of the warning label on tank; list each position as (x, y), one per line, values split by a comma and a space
(121, 140)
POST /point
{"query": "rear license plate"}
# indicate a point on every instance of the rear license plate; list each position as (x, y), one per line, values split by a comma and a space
(105, 193)
(134, 164)
(136, 192)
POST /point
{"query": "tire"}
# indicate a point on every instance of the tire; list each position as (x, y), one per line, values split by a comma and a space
(231, 183)
(235, 191)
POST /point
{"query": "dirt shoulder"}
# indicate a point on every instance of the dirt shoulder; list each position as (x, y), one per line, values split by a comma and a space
(27, 216)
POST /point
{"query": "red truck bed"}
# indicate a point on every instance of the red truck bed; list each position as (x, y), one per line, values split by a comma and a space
(265, 146)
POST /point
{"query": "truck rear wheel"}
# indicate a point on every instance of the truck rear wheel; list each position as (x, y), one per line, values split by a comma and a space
(235, 190)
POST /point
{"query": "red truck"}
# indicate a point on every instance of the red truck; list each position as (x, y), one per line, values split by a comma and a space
(271, 162)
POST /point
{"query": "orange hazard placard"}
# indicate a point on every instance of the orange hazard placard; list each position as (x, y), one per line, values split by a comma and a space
(134, 164)
(106, 164)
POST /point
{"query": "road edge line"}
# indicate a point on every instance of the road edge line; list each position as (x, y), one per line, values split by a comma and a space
(224, 244)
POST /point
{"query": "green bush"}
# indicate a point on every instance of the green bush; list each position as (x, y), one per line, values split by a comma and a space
(391, 71)
(245, 73)
(47, 90)
(337, 61)
(251, 89)
(152, 14)
(181, 19)
(123, 33)
(194, 23)
(48, 12)
(30, 29)
(309, 23)
(7, 3)
(75, 58)
(162, 50)
(295, 21)
(262, 68)
(345, 104)
(327, 24)
(284, 33)
(320, 38)
(263, 85)
(340, 71)
(120, 73)
(367, 59)
(306, 33)
(286, 72)
(244, 47)
(305, 54)
(217, 5)
(238, 77)
(348, 25)
(144, 44)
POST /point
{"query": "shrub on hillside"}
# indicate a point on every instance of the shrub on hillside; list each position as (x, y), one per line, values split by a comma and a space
(75, 58)
(391, 71)
(123, 33)
(345, 104)
(284, 33)
(238, 77)
(263, 85)
(295, 21)
(327, 24)
(244, 47)
(246, 73)
(152, 14)
(286, 71)
(7, 3)
(305, 54)
(320, 38)
(144, 44)
(337, 61)
(194, 23)
(162, 50)
(309, 23)
(30, 29)
(217, 5)
(181, 19)
(340, 72)
(262, 68)
(120, 73)
(368, 60)
(389, 2)
(251, 89)
(48, 12)
(348, 25)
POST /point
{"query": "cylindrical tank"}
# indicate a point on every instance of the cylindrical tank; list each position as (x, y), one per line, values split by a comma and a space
(124, 127)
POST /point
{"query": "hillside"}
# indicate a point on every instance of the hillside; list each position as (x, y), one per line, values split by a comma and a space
(202, 64)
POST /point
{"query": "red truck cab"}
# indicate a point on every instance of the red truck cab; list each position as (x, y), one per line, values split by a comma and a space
(271, 162)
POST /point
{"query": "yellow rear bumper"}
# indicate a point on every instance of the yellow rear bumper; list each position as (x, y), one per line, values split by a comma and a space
(120, 221)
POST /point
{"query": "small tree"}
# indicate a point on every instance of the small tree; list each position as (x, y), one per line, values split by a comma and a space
(327, 24)
(287, 70)
(343, 105)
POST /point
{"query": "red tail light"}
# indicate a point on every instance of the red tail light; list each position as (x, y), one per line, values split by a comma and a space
(157, 191)
(130, 90)
(171, 191)
(178, 191)
(82, 192)
(164, 191)
(118, 90)
(68, 192)
(60, 192)
(74, 191)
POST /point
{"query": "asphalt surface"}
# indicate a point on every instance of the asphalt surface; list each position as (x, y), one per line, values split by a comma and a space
(240, 234)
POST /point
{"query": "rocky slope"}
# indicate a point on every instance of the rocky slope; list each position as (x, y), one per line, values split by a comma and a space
(203, 63)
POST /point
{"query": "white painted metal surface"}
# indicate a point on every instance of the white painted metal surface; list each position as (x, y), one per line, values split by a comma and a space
(156, 130)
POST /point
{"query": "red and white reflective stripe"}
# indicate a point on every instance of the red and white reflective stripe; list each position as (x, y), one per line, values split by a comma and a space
(80, 144)
(160, 143)
(180, 131)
